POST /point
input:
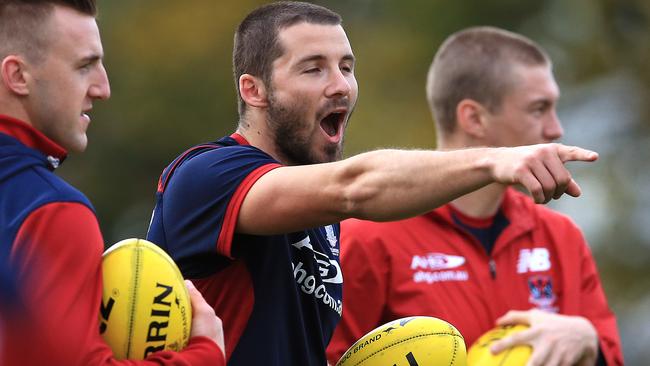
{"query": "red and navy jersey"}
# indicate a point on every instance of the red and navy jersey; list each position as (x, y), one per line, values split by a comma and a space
(26, 175)
(431, 265)
(50, 234)
(279, 296)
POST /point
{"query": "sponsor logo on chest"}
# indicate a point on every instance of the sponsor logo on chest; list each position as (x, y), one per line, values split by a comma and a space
(533, 260)
(438, 267)
(312, 282)
(542, 293)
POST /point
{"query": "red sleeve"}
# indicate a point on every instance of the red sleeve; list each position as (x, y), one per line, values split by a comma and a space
(224, 242)
(59, 249)
(365, 276)
(594, 307)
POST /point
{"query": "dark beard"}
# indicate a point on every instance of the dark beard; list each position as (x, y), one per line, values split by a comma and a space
(287, 124)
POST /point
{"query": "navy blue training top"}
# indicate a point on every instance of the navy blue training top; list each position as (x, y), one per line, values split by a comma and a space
(280, 296)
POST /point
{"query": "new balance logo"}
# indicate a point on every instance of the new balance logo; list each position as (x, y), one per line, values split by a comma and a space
(533, 260)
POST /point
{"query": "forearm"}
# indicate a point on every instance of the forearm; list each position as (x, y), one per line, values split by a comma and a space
(378, 185)
(388, 185)
(393, 184)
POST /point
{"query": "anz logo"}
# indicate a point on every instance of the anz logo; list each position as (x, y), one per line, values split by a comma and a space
(436, 261)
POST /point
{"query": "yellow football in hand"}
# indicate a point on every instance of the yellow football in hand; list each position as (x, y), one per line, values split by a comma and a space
(145, 304)
(418, 340)
(479, 353)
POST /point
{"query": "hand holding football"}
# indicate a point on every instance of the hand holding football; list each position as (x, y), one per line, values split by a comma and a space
(418, 340)
(145, 304)
(479, 353)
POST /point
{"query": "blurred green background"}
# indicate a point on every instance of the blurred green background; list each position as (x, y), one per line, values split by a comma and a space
(170, 71)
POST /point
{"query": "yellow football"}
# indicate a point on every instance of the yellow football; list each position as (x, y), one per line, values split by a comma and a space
(479, 353)
(145, 304)
(418, 340)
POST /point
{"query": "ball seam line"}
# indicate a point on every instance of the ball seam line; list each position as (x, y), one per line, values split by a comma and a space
(165, 256)
(133, 297)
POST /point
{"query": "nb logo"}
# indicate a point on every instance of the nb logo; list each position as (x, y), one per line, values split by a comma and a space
(533, 260)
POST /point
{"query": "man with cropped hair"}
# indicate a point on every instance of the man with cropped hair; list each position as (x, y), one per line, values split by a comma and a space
(253, 217)
(490, 256)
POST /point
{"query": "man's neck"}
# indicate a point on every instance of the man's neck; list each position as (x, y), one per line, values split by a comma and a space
(484, 202)
(257, 134)
(14, 108)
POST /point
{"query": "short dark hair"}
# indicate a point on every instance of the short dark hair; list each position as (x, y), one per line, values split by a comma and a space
(256, 43)
(475, 63)
(21, 24)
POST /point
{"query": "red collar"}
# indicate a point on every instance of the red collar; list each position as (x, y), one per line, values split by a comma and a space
(239, 138)
(33, 138)
(516, 206)
(477, 222)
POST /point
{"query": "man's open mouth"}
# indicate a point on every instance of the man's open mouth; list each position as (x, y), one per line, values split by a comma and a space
(331, 124)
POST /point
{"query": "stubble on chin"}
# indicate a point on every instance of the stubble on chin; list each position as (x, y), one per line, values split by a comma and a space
(288, 126)
(292, 134)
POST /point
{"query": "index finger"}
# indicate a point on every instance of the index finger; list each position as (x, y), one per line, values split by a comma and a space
(515, 339)
(575, 153)
(514, 317)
